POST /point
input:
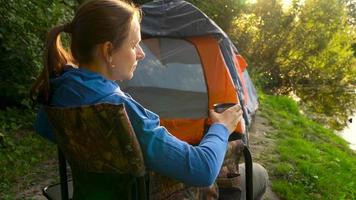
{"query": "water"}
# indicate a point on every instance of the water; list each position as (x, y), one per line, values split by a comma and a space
(349, 133)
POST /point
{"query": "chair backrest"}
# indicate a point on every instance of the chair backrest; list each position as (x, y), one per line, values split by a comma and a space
(97, 138)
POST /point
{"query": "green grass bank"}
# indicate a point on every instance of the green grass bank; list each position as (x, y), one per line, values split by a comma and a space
(308, 160)
(23, 154)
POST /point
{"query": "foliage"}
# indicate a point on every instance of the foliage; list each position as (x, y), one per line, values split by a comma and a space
(306, 50)
(222, 12)
(22, 32)
(307, 157)
(20, 151)
(351, 11)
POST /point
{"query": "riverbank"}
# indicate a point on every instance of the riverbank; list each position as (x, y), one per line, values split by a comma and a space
(349, 132)
(305, 160)
(301, 156)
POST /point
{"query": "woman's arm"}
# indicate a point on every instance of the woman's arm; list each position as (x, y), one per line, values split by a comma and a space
(169, 156)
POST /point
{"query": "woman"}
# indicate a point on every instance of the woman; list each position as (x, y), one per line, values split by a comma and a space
(105, 37)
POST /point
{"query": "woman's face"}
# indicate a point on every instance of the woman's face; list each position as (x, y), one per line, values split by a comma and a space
(125, 59)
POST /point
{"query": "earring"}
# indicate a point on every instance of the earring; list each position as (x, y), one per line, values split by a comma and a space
(110, 62)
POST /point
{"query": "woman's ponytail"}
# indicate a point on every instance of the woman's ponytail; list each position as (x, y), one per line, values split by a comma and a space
(95, 22)
(55, 58)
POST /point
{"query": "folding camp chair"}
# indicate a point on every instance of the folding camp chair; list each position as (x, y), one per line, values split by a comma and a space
(228, 179)
(64, 189)
(102, 150)
(87, 135)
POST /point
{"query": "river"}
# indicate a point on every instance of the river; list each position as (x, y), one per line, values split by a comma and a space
(349, 133)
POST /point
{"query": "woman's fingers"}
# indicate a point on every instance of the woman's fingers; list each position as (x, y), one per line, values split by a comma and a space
(229, 117)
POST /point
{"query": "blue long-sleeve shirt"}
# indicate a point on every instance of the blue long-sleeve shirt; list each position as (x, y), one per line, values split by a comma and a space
(163, 153)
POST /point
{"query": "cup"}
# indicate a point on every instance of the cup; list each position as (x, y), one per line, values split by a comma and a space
(221, 107)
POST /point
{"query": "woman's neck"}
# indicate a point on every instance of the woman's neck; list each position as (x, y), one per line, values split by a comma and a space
(97, 68)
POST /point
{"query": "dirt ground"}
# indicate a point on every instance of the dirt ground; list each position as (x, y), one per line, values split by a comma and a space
(34, 190)
(260, 144)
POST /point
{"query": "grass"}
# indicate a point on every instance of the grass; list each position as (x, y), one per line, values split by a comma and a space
(21, 152)
(312, 162)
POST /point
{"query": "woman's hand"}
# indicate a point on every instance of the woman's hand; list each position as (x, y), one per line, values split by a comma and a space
(229, 117)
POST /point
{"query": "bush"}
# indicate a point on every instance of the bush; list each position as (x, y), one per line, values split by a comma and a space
(22, 34)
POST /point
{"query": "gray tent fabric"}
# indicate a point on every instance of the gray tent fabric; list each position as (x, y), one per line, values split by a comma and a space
(170, 74)
(252, 104)
(176, 18)
(179, 19)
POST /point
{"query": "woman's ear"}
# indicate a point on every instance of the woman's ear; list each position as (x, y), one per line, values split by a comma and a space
(106, 50)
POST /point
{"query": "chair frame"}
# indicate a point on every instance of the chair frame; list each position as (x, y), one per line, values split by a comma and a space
(139, 188)
(62, 164)
(141, 185)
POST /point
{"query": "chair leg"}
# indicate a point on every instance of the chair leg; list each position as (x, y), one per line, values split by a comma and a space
(143, 187)
(63, 175)
(249, 173)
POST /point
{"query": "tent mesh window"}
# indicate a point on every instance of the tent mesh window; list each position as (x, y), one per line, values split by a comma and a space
(170, 80)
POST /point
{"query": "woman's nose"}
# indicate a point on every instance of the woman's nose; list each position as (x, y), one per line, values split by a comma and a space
(139, 53)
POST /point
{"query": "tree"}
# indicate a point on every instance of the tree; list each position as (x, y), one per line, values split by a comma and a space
(22, 33)
(306, 50)
(222, 12)
(260, 32)
(318, 61)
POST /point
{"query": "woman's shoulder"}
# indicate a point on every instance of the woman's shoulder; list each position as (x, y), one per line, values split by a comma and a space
(81, 87)
(138, 108)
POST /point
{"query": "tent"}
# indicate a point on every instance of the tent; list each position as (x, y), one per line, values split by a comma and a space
(190, 65)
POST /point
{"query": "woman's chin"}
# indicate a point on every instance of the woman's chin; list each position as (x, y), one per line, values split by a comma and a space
(128, 77)
(125, 77)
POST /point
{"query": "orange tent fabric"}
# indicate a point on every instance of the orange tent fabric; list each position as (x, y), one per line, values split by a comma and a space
(189, 130)
(220, 90)
(240, 65)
